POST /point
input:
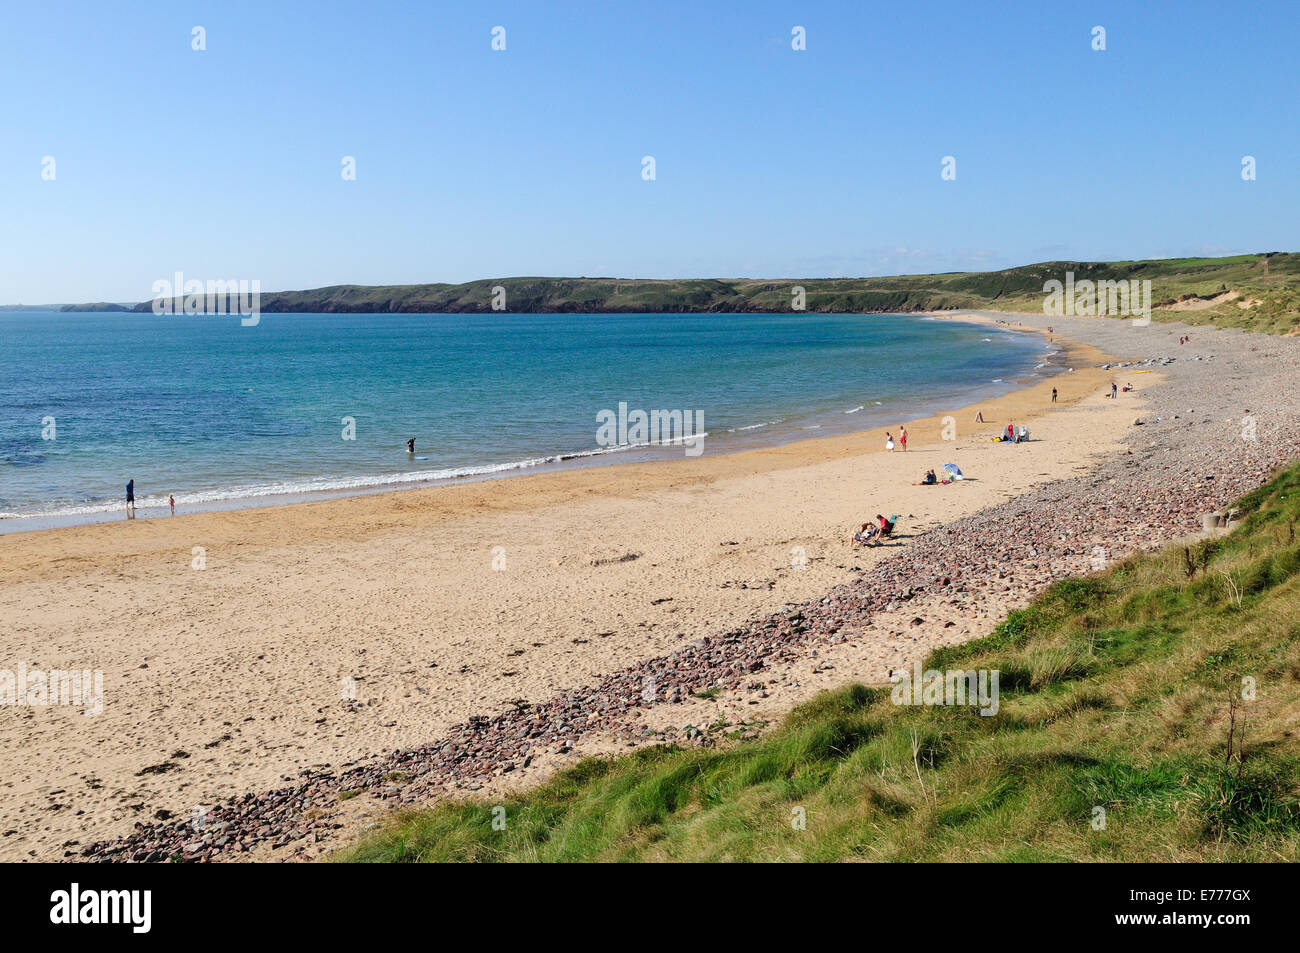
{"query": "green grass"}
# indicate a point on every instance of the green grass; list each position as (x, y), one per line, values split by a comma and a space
(1272, 280)
(1115, 694)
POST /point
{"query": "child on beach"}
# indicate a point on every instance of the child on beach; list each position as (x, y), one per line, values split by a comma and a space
(869, 534)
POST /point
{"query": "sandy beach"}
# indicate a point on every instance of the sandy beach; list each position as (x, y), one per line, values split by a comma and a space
(236, 676)
(332, 647)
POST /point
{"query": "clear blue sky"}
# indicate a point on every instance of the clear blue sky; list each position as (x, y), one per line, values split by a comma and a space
(772, 163)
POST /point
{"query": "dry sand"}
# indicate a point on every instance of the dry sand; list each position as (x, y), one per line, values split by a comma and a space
(232, 678)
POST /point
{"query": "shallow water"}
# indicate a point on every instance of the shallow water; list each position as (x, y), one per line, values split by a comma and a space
(223, 415)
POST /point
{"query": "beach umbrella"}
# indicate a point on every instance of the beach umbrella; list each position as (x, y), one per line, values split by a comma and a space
(954, 470)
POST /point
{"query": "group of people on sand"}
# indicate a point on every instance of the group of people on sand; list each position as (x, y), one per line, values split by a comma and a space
(950, 473)
(1014, 435)
(1184, 339)
(872, 535)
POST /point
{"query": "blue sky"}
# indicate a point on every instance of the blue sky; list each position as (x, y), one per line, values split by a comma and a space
(473, 163)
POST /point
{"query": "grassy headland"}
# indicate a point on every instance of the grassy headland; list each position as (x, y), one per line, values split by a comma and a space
(1260, 292)
(1121, 691)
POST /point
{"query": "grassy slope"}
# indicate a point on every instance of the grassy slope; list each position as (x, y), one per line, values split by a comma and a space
(1273, 279)
(1115, 693)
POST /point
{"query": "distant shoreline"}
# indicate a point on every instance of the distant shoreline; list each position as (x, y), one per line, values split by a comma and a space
(1256, 291)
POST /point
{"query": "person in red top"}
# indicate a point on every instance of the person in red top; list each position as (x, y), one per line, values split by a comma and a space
(1011, 432)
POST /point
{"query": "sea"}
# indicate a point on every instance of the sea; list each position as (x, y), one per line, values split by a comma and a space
(220, 414)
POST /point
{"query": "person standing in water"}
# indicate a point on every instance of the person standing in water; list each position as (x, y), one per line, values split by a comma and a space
(130, 494)
(171, 502)
(410, 445)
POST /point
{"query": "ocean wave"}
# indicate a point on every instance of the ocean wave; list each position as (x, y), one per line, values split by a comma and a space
(334, 483)
(855, 409)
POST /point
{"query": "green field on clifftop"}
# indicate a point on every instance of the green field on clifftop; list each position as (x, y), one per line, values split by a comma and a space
(1205, 290)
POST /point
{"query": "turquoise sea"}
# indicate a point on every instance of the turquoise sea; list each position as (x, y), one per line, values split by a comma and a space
(224, 415)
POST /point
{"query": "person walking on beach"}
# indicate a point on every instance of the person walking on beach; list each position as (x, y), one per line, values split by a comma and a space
(1053, 395)
(1114, 391)
(902, 438)
(979, 417)
(171, 502)
(130, 497)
